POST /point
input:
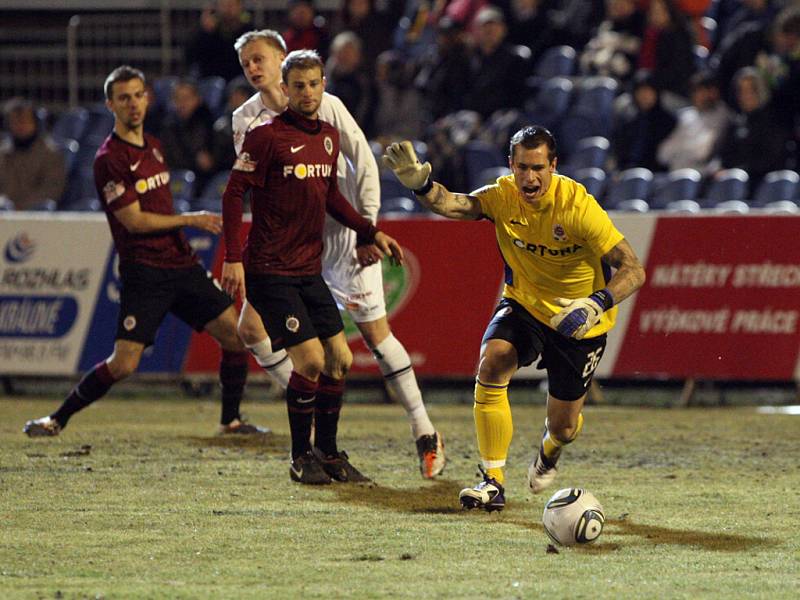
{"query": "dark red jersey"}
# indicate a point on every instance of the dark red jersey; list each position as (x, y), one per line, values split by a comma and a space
(125, 173)
(290, 165)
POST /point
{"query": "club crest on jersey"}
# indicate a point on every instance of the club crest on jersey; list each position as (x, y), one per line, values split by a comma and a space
(559, 234)
(158, 155)
(292, 323)
(328, 143)
(113, 190)
(129, 323)
(245, 163)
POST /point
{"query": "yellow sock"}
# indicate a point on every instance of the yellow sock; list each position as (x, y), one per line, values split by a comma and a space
(551, 446)
(493, 426)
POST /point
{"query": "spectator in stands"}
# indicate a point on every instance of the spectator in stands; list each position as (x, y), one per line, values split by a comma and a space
(755, 141)
(210, 50)
(373, 28)
(614, 48)
(748, 12)
(444, 73)
(786, 87)
(399, 114)
(692, 142)
(529, 25)
(347, 79)
(237, 93)
(154, 120)
(641, 126)
(667, 49)
(31, 166)
(306, 30)
(574, 21)
(188, 133)
(496, 71)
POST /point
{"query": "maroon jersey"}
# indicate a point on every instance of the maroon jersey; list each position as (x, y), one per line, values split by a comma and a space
(290, 165)
(125, 173)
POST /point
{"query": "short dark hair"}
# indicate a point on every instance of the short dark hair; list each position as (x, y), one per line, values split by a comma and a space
(788, 20)
(270, 36)
(703, 79)
(121, 73)
(302, 60)
(531, 137)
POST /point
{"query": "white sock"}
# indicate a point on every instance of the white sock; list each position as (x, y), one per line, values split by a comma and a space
(277, 364)
(395, 364)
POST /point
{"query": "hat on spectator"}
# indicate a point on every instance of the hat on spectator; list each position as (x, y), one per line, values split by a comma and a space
(489, 14)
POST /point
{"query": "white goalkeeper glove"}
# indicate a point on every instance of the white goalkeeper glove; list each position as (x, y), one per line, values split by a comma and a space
(578, 316)
(401, 158)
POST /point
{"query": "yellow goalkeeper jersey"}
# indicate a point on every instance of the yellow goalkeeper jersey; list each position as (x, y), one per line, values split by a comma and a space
(552, 251)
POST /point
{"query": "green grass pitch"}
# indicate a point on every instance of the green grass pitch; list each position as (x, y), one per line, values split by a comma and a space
(138, 498)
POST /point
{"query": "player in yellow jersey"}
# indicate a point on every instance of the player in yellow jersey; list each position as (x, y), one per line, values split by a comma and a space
(566, 267)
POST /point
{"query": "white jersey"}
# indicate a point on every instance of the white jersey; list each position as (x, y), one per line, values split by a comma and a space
(359, 289)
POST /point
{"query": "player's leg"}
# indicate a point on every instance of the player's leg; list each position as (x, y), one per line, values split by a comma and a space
(93, 386)
(570, 367)
(232, 373)
(401, 382)
(275, 362)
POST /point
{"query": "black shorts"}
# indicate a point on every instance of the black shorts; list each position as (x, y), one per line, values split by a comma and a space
(294, 309)
(570, 363)
(148, 293)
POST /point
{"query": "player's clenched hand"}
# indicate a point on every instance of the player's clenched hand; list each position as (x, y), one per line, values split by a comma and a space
(368, 254)
(233, 279)
(389, 247)
(577, 317)
(401, 158)
(205, 220)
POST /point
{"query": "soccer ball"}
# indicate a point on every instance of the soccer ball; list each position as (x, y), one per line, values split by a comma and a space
(573, 516)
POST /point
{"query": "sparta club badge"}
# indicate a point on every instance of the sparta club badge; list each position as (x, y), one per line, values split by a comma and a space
(292, 323)
(559, 234)
(328, 143)
(129, 323)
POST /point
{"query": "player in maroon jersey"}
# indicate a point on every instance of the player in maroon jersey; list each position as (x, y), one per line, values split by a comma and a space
(289, 164)
(158, 270)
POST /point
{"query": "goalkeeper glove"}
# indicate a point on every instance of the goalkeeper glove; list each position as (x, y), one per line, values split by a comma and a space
(577, 317)
(401, 158)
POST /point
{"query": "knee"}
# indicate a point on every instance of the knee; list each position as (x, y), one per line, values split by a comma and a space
(563, 429)
(122, 367)
(249, 332)
(497, 366)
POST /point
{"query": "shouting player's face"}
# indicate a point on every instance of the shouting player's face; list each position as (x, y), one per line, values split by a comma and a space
(533, 172)
(128, 103)
(261, 64)
(304, 88)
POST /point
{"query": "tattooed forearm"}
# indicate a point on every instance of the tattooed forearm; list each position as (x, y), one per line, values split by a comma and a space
(454, 206)
(629, 275)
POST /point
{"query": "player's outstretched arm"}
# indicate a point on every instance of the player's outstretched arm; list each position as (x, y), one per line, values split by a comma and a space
(401, 158)
(136, 220)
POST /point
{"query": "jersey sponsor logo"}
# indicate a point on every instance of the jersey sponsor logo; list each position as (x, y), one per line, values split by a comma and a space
(292, 323)
(506, 310)
(244, 163)
(296, 149)
(113, 190)
(559, 234)
(129, 323)
(135, 165)
(328, 143)
(19, 248)
(304, 171)
(158, 155)
(542, 250)
(148, 184)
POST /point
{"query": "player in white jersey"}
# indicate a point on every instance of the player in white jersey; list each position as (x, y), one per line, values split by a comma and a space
(352, 273)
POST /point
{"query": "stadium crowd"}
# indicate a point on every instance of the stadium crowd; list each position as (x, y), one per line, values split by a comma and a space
(677, 104)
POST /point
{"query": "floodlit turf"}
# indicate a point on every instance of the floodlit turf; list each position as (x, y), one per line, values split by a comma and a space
(139, 498)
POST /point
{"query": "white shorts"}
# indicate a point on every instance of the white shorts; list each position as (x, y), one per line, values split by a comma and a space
(357, 289)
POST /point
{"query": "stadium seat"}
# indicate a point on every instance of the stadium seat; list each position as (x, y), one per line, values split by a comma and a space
(556, 61)
(590, 152)
(70, 125)
(44, 206)
(593, 179)
(479, 156)
(181, 184)
(782, 207)
(180, 206)
(163, 87)
(680, 184)
(732, 207)
(392, 188)
(631, 184)
(85, 204)
(490, 175)
(700, 54)
(683, 206)
(99, 125)
(524, 54)
(550, 103)
(399, 204)
(69, 149)
(212, 89)
(776, 186)
(729, 184)
(591, 113)
(6, 203)
(633, 205)
(210, 197)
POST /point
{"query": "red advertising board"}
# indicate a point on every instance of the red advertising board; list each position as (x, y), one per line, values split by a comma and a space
(438, 304)
(721, 301)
